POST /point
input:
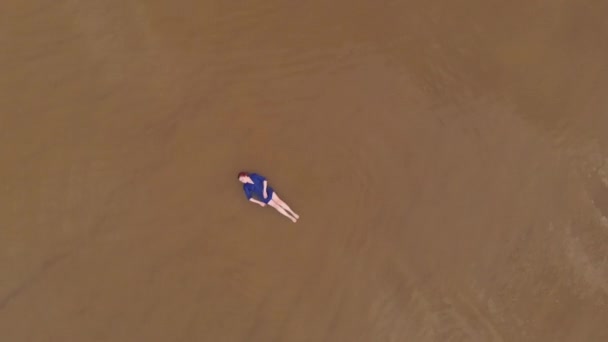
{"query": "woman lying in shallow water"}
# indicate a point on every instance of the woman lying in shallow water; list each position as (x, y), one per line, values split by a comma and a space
(255, 185)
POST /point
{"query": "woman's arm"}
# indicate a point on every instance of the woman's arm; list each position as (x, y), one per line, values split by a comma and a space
(258, 202)
(265, 187)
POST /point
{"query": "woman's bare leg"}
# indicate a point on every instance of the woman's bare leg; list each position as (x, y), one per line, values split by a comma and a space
(284, 205)
(280, 209)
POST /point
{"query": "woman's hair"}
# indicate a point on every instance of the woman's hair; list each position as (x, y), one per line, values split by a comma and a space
(242, 174)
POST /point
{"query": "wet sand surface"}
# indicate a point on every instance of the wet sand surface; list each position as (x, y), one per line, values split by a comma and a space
(449, 161)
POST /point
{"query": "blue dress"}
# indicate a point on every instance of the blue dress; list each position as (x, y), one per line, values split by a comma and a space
(257, 188)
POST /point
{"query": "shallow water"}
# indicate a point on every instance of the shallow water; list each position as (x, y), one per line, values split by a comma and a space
(449, 162)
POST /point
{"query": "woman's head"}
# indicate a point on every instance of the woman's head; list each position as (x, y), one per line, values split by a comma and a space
(243, 177)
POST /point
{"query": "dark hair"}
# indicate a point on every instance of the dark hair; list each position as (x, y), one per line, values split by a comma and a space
(242, 174)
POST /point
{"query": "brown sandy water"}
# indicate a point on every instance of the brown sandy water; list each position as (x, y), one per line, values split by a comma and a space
(449, 161)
